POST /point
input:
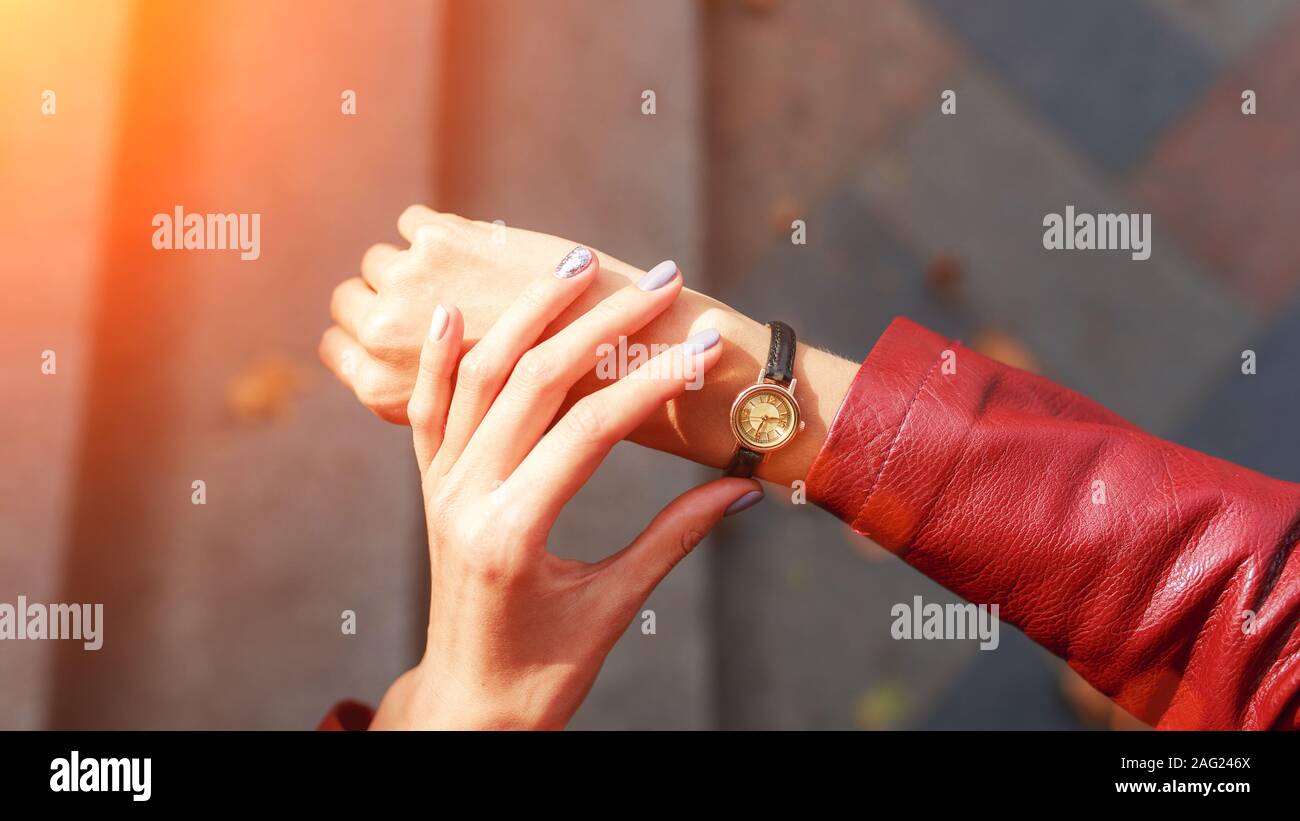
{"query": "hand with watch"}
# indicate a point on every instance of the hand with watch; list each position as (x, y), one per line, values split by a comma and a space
(452, 259)
(765, 415)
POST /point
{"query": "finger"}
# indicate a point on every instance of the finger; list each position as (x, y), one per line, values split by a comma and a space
(431, 396)
(376, 260)
(570, 452)
(412, 218)
(485, 368)
(351, 301)
(342, 354)
(542, 378)
(380, 387)
(637, 569)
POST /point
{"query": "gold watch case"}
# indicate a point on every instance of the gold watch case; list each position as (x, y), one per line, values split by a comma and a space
(755, 411)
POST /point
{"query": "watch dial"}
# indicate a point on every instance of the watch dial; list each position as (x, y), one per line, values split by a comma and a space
(765, 419)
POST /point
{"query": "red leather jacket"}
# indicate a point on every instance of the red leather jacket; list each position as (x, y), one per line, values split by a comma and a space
(1165, 577)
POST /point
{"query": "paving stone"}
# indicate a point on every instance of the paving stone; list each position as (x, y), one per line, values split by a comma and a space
(1013, 687)
(546, 131)
(1230, 27)
(843, 288)
(805, 625)
(796, 97)
(1131, 334)
(1110, 75)
(1225, 183)
(1246, 419)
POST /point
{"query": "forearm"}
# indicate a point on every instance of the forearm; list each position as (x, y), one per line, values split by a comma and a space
(695, 425)
(1166, 577)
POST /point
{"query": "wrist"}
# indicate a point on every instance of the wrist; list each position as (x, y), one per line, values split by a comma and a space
(420, 699)
(695, 425)
(823, 380)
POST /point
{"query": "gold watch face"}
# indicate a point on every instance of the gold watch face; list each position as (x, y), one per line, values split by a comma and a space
(764, 417)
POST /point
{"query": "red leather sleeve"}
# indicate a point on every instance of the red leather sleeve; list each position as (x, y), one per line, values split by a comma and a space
(347, 715)
(985, 478)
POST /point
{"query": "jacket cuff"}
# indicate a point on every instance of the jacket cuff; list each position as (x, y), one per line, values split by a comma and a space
(846, 472)
(347, 715)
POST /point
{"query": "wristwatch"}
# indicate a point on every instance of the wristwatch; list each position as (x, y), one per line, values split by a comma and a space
(765, 415)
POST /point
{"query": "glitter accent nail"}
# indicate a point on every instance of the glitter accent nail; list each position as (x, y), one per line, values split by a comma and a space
(574, 263)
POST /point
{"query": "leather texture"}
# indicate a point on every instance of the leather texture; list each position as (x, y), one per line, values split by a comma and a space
(1134, 559)
(780, 353)
(744, 463)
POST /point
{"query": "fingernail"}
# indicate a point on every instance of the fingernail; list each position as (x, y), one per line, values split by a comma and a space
(438, 326)
(658, 276)
(744, 502)
(701, 341)
(574, 263)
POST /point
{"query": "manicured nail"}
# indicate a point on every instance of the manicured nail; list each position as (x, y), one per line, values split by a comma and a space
(438, 326)
(701, 341)
(658, 276)
(744, 502)
(574, 263)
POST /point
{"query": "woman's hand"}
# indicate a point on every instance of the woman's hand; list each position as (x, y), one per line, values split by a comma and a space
(381, 318)
(516, 636)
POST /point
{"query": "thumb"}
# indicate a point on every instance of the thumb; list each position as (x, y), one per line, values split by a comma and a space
(637, 569)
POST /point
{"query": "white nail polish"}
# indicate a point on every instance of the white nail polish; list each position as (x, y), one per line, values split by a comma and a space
(438, 326)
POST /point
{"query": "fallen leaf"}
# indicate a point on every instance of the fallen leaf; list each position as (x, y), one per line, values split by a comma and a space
(266, 389)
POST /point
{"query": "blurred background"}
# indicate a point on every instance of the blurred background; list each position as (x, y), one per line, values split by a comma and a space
(175, 367)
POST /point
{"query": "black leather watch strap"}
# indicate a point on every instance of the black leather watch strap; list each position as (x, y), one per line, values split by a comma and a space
(780, 354)
(744, 463)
